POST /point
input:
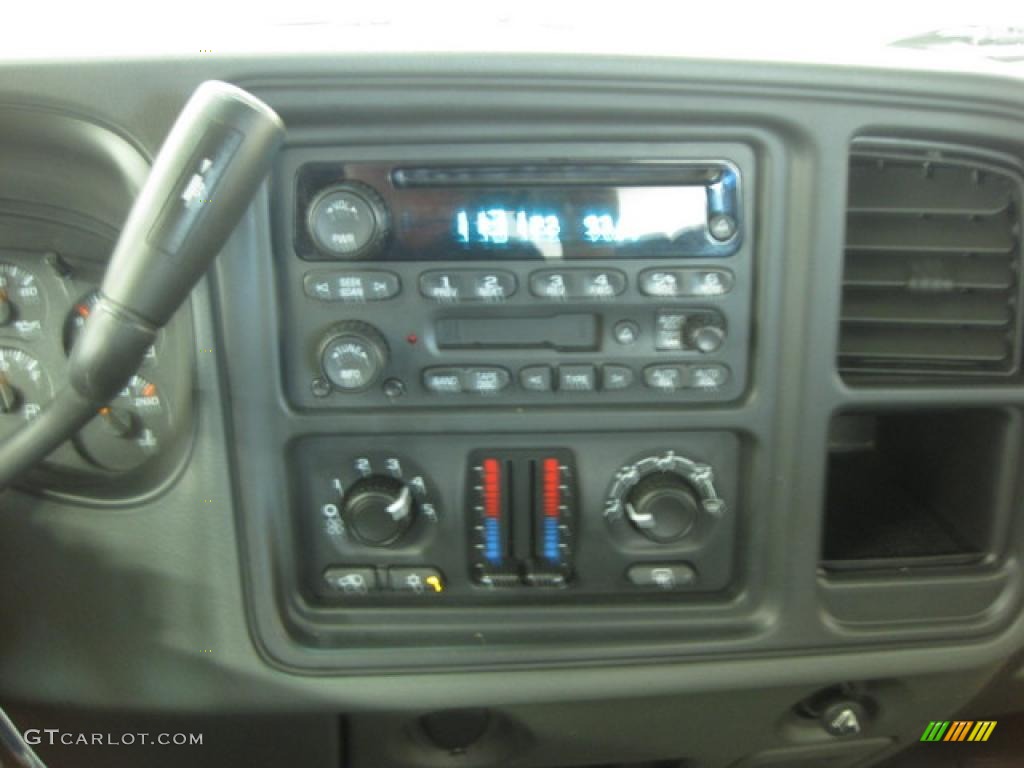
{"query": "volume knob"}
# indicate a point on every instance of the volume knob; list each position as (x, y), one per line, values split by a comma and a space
(349, 221)
(353, 355)
(663, 507)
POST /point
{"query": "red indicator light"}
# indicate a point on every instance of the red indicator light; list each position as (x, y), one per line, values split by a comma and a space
(412, 338)
(83, 311)
(492, 488)
(552, 487)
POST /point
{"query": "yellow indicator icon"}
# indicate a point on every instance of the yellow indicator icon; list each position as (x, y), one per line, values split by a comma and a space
(435, 583)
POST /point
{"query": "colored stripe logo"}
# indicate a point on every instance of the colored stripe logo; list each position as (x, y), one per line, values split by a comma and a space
(959, 730)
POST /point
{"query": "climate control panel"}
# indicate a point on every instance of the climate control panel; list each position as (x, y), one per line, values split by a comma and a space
(435, 517)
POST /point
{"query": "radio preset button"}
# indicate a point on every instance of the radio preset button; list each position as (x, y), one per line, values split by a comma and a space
(667, 378)
(468, 285)
(536, 378)
(485, 381)
(577, 378)
(674, 283)
(601, 284)
(551, 285)
(443, 380)
(493, 286)
(562, 284)
(442, 286)
(711, 282)
(660, 283)
(615, 377)
(351, 286)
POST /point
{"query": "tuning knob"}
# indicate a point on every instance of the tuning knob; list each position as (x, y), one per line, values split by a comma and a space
(663, 507)
(378, 510)
(353, 355)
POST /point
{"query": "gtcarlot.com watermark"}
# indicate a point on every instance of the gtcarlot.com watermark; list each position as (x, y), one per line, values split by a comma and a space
(55, 736)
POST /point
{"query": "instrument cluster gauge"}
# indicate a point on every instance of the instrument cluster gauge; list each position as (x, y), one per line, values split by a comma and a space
(22, 302)
(75, 322)
(128, 431)
(25, 387)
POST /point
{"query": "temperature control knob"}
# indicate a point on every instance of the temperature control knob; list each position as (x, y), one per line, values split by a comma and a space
(663, 506)
(348, 221)
(378, 510)
(353, 356)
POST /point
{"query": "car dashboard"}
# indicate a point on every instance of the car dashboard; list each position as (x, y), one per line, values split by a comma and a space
(672, 402)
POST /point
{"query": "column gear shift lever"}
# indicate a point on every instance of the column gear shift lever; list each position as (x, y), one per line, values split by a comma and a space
(204, 177)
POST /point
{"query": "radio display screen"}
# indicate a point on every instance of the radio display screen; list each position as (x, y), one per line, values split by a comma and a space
(548, 213)
(560, 223)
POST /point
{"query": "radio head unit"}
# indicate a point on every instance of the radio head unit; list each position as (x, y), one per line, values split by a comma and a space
(514, 283)
(387, 212)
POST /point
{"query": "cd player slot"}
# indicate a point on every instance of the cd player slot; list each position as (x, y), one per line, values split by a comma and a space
(557, 175)
(577, 332)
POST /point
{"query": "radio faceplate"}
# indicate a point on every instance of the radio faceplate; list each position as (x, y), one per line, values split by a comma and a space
(496, 323)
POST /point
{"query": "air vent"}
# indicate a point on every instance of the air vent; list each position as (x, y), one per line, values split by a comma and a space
(931, 276)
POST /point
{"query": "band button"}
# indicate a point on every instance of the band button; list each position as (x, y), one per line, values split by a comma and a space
(443, 380)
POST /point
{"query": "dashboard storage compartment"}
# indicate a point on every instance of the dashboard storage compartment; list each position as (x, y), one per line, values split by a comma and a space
(916, 488)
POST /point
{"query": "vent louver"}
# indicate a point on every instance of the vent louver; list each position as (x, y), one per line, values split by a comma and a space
(931, 275)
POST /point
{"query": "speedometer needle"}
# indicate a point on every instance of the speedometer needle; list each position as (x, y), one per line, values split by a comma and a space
(8, 396)
(5, 307)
